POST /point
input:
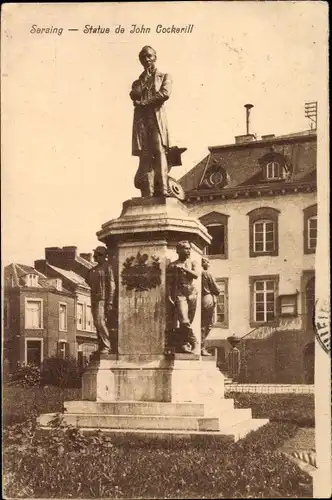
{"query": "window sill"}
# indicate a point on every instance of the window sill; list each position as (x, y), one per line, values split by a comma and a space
(288, 315)
(34, 328)
(220, 325)
(270, 324)
(309, 250)
(63, 330)
(273, 253)
(216, 256)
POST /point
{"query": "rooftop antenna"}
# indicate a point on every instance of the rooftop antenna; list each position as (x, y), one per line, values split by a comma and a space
(310, 111)
(248, 108)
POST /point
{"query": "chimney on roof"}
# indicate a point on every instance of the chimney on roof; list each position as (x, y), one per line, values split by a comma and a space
(268, 136)
(61, 257)
(248, 137)
(248, 108)
(87, 256)
(41, 266)
(71, 249)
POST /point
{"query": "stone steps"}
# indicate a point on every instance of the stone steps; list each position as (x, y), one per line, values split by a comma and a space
(149, 408)
(220, 423)
(143, 437)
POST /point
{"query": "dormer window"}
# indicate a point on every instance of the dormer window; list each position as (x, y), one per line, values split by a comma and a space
(273, 170)
(31, 280)
(215, 177)
(275, 166)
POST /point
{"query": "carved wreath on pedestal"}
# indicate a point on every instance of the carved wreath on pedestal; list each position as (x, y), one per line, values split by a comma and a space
(139, 274)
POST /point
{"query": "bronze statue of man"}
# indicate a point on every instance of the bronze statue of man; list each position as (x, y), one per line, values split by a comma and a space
(182, 294)
(101, 280)
(210, 291)
(150, 139)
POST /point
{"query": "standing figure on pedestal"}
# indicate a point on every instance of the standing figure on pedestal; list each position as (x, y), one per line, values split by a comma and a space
(150, 140)
(101, 281)
(210, 291)
(182, 294)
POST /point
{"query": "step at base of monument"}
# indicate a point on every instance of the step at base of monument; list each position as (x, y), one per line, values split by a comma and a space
(220, 421)
(175, 438)
(149, 408)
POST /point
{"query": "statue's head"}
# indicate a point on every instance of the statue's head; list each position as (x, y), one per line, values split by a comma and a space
(183, 249)
(100, 254)
(147, 57)
(205, 263)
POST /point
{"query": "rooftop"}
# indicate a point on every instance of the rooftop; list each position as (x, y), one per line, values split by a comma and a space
(242, 162)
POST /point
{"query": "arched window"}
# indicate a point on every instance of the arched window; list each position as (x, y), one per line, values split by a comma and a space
(275, 166)
(217, 226)
(263, 232)
(310, 229)
(273, 170)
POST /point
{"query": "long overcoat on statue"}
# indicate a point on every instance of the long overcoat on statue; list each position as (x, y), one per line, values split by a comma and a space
(160, 92)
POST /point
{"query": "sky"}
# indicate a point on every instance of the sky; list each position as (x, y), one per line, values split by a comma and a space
(67, 117)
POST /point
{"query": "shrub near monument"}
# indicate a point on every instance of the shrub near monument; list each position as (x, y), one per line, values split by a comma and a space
(69, 463)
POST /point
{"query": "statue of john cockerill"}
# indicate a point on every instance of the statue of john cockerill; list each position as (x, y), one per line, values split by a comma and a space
(150, 140)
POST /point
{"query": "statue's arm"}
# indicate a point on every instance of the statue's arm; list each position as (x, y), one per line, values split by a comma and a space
(171, 282)
(162, 94)
(135, 93)
(110, 286)
(213, 286)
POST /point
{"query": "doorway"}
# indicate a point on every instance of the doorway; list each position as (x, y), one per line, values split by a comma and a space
(310, 304)
(309, 363)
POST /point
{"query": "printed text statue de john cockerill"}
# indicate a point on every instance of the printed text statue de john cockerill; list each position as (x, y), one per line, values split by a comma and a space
(150, 140)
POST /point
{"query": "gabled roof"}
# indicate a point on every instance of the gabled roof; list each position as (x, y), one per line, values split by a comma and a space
(14, 277)
(242, 163)
(71, 276)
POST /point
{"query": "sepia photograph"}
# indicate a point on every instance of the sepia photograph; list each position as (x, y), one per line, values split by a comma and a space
(165, 250)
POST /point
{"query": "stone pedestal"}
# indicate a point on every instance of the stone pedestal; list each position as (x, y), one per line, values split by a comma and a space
(152, 227)
(182, 378)
(141, 371)
(145, 388)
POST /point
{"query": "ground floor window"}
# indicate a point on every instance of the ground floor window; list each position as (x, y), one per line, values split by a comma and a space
(264, 295)
(34, 352)
(63, 349)
(221, 309)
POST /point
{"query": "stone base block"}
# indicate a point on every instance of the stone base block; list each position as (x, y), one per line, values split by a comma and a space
(152, 422)
(154, 379)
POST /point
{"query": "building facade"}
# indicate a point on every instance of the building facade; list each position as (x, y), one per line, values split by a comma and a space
(39, 316)
(69, 266)
(257, 199)
(47, 309)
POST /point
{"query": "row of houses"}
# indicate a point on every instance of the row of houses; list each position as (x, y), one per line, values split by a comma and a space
(47, 308)
(257, 198)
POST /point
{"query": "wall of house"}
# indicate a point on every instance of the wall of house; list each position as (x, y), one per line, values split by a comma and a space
(12, 332)
(289, 264)
(85, 299)
(52, 319)
(50, 332)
